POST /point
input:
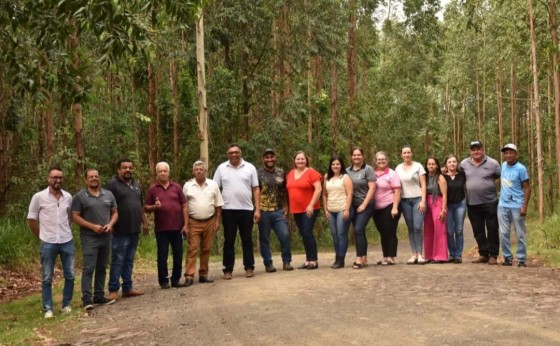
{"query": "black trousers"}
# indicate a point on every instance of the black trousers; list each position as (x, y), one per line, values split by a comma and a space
(387, 228)
(486, 230)
(233, 220)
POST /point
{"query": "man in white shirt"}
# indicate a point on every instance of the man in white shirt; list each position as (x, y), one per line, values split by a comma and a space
(49, 219)
(205, 202)
(240, 185)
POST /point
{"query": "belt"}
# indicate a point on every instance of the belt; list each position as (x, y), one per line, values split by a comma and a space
(192, 218)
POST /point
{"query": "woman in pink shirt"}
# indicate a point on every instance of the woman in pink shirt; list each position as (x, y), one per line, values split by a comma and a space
(386, 212)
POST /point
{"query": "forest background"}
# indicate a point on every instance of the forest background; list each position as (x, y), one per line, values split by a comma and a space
(84, 83)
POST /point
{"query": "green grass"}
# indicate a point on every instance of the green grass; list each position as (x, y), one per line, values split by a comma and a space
(543, 240)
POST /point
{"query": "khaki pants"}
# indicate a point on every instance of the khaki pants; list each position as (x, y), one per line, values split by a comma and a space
(200, 236)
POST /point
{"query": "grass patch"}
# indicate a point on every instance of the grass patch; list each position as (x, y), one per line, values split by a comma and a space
(543, 240)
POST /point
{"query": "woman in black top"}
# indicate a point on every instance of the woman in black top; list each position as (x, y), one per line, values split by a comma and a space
(456, 207)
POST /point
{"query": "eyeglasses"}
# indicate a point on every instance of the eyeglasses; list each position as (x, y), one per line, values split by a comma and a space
(56, 178)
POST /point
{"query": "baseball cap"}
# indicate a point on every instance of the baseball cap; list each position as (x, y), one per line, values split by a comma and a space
(269, 151)
(510, 146)
(476, 144)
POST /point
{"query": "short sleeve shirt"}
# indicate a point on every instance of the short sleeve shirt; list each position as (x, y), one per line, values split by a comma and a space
(481, 180)
(410, 179)
(169, 217)
(202, 200)
(130, 203)
(385, 187)
(273, 188)
(53, 215)
(300, 191)
(95, 209)
(512, 194)
(360, 183)
(237, 184)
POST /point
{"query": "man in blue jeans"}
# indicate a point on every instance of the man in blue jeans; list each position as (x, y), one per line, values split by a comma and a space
(51, 207)
(512, 208)
(274, 211)
(126, 232)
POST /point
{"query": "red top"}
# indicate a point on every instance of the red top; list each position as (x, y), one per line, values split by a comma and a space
(169, 217)
(300, 191)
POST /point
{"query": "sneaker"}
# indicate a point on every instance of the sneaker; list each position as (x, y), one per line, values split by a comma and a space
(103, 301)
(480, 259)
(412, 260)
(507, 262)
(131, 293)
(49, 314)
(88, 306)
(270, 269)
(228, 276)
(492, 260)
(421, 260)
(521, 264)
(287, 266)
(165, 286)
(249, 273)
(114, 295)
(67, 309)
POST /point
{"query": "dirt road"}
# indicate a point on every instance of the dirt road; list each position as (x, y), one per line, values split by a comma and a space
(436, 304)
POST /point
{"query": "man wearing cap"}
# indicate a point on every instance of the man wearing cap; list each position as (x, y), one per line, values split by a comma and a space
(205, 202)
(240, 185)
(482, 201)
(274, 211)
(512, 208)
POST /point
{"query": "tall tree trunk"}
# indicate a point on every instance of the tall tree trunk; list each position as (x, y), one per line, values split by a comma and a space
(47, 117)
(309, 83)
(478, 107)
(538, 132)
(351, 64)
(152, 126)
(513, 102)
(5, 175)
(175, 101)
(134, 117)
(500, 104)
(556, 74)
(201, 88)
(334, 106)
(77, 111)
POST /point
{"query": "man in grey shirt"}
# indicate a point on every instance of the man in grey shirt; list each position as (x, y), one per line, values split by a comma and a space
(95, 210)
(481, 172)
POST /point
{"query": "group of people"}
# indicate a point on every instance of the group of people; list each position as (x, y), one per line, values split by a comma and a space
(432, 199)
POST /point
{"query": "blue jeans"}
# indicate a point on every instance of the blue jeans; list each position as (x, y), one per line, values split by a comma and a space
(507, 217)
(360, 221)
(414, 221)
(274, 220)
(122, 260)
(48, 252)
(95, 250)
(339, 230)
(164, 240)
(305, 226)
(455, 220)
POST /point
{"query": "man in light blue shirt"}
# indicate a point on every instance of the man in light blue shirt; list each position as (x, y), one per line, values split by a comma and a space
(512, 207)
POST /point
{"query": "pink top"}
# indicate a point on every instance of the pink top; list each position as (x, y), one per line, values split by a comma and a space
(387, 182)
(300, 191)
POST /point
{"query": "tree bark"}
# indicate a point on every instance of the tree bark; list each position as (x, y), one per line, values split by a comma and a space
(500, 104)
(513, 102)
(175, 101)
(77, 112)
(201, 88)
(351, 64)
(556, 75)
(536, 107)
(334, 106)
(152, 126)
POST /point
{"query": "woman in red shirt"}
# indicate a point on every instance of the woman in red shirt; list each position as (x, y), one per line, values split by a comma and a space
(304, 190)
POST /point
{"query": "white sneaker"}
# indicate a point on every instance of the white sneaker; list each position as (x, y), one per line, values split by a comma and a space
(412, 260)
(49, 314)
(67, 309)
(421, 260)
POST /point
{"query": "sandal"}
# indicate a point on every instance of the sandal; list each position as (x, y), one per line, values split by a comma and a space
(357, 265)
(390, 261)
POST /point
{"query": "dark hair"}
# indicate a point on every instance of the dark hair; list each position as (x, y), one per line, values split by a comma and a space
(121, 161)
(438, 169)
(448, 157)
(54, 168)
(407, 146)
(330, 172)
(231, 145)
(354, 148)
(307, 159)
(89, 170)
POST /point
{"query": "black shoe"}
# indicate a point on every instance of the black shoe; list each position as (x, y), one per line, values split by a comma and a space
(287, 266)
(312, 266)
(165, 286)
(103, 300)
(87, 305)
(507, 262)
(521, 264)
(176, 285)
(205, 280)
(188, 282)
(270, 268)
(457, 260)
(303, 266)
(338, 263)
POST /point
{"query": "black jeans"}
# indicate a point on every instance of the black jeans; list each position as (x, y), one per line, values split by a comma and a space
(164, 239)
(387, 226)
(232, 221)
(484, 221)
